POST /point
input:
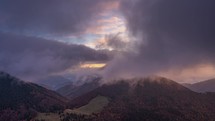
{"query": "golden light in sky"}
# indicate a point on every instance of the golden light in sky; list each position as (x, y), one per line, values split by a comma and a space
(109, 22)
(197, 73)
(93, 65)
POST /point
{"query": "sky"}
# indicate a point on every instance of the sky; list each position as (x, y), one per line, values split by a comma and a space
(126, 38)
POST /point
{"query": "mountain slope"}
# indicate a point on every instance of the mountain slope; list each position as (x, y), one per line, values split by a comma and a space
(24, 98)
(204, 86)
(54, 82)
(75, 90)
(151, 99)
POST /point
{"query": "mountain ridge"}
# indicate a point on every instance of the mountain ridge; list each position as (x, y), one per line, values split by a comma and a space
(203, 86)
(138, 99)
(151, 100)
(26, 99)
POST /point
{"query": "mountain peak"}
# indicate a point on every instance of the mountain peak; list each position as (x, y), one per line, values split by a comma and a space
(154, 81)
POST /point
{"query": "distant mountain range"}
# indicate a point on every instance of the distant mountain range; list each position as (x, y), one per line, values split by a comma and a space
(74, 90)
(204, 86)
(54, 82)
(140, 99)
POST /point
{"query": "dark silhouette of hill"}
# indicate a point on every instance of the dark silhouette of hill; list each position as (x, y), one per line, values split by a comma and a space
(21, 100)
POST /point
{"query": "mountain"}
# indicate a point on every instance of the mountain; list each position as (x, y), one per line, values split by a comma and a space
(204, 86)
(20, 100)
(140, 99)
(85, 85)
(150, 99)
(54, 82)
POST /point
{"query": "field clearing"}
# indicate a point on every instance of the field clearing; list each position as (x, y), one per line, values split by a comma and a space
(94, 106)
(47, 117)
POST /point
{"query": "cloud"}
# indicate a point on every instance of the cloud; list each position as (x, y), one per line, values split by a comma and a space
(113, 42)
(31, 57)
(170, 34)
(108, 25)
(52, 17)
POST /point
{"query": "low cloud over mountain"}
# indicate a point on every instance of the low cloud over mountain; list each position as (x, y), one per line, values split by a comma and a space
(30, 57)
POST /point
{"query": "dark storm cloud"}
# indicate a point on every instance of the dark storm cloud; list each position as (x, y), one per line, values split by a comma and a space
(49, 16)
(170, 34)
(30, 57)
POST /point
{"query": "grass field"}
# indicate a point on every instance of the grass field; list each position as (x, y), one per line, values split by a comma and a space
(48, 117)
(94, 106)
